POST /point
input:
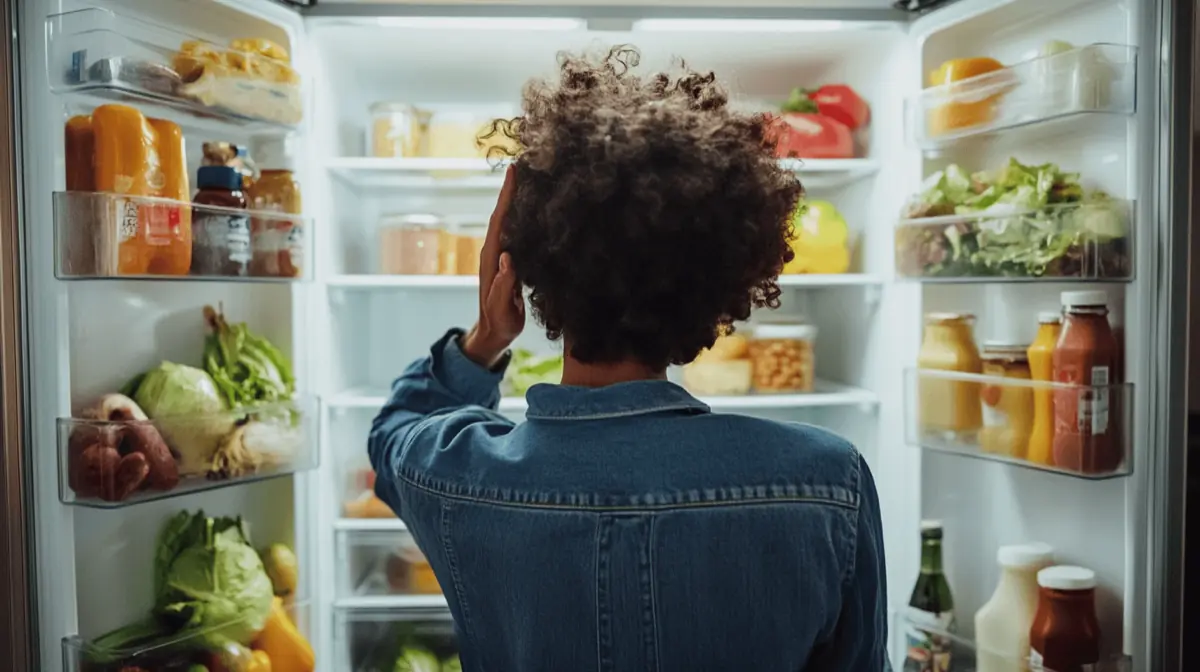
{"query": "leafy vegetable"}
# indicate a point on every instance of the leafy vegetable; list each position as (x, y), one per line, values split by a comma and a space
(247, 368)
(211, 590)
(189, 411)
(415, 658)
(452, 664)
(528, 369)
(1021, 221)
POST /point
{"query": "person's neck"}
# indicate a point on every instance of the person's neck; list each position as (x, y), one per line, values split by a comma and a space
(580, 374)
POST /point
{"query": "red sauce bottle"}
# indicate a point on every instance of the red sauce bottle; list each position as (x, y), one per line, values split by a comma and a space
(1087, 435)
(1065, 635)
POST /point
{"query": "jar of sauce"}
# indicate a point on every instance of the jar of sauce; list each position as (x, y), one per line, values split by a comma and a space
(1007, 409)
(1041, 368)
(949, 406)
(220, 224)
(1065, 636)
(276, 240)
(1087, 438)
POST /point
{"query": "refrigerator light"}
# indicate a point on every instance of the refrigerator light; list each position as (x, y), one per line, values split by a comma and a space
(738, 25)
(479, 23)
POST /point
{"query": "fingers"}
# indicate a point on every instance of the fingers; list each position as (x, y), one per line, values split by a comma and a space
(489, 256)
(504, 285)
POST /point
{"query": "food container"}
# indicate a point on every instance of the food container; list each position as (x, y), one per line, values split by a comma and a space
(399, 130)
(1007, 409)
(967, 94)
(408, 571)
(723, 369)
(1069, 79)
(454, 135)
(781, 357)
(470, 247)
(948, 405)
(411, 243)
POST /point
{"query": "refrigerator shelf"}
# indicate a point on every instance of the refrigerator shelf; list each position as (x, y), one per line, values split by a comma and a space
(1088, 80)
(106, 235)
(114, 56)
(112, 463)
(371, 173)
(392, 524)
(366, 282)
(83, 655)
(965, 657)
(1090, 241)
(991, 418)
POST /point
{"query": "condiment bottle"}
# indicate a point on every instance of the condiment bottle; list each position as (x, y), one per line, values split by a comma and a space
(220, 225)
(277, 242)
(949, 405)
(1002, 624)
(1065, 635)
(1086, 436)
(1041, 368)
(930, 614)
(1007, 409)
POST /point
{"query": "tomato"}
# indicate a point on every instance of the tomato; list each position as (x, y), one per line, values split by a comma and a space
(810, 136)
(840, 102)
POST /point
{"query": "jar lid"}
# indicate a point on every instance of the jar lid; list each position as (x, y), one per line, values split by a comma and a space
(948, 317)
(1025, 555)
(1090, 297)
(1049, 317)
(1067, 577)
(803, 332)
(219, 177)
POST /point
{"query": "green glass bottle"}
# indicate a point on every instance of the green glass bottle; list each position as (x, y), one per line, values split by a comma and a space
(930, 613)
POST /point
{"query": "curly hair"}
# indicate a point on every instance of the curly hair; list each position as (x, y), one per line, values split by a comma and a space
(648, 216)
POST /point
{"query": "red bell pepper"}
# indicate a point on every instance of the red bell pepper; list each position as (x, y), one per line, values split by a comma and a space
(842, 103)
(809, 136)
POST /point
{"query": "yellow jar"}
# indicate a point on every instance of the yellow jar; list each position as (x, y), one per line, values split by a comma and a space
(951, 406)
(1041, 368)
(1007, 409)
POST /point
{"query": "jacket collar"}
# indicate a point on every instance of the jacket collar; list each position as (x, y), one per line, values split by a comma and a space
(565, 402)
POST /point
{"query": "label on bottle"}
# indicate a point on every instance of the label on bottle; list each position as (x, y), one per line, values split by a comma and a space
(162, 223)
(126, 215)
(226, 236)
(928, 649)
(1098, 419)
(295, 245)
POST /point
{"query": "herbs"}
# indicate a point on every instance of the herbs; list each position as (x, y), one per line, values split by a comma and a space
(1022, 221)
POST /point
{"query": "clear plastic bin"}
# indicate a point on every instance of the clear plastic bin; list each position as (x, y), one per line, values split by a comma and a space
(1080, 241)
(371, 640)
(383, 563)
(413, 244)
(399, 130)
(782, 358)
(1096, 78)
(105, 53)
(358, 494)
(117, 459)
(1098, 445)
(82, 655)
(104, 235)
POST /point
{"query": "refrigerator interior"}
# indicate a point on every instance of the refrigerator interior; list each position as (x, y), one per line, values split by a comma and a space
(349, 328)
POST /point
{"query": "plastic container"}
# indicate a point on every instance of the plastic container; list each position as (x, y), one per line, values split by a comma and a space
(377, 563)
(358, 496)
(1007, 411)
(454, 135)
(411, 244)
(399, 130)
(372, 638)
(114, 457)
(782, 357)
(470, 240)
(949, 406)
(1002, 623)
(724, 369)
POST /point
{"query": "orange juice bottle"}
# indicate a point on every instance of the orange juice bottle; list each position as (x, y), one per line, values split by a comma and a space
(1041, 368)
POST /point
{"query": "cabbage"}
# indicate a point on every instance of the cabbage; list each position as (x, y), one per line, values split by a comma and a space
(415, 658)
(188, 410)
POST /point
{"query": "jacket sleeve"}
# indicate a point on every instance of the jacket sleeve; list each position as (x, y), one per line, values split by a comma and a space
(436, 405)
(860, 639)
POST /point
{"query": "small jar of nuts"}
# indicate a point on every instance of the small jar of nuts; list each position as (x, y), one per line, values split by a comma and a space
(781, 357)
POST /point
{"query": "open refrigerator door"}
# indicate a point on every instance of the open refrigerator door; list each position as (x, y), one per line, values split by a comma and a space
(168, 282)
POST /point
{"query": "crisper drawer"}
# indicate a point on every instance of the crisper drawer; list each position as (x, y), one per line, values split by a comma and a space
(376, 640)
(385, 567)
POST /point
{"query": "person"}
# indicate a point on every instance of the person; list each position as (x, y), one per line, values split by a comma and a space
(624, 526)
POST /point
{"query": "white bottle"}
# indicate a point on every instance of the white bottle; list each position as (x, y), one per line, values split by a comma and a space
(1002, 625)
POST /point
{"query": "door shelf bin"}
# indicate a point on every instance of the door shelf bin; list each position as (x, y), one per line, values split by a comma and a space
(104, 53)
(1096, 78)
(1090, 241)
(114, 463)
(371, 640)
(964, 657)
(990, 418)
(383, 564)
(106, 235)
(179, 653)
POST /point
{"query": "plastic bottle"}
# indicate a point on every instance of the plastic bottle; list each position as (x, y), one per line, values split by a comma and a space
(1002, 624)
(1041, 368)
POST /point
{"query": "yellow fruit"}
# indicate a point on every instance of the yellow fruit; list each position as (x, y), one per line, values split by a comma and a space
(821, 242)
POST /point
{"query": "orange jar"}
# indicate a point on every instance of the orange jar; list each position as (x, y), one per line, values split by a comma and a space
(1041, 369)
(946, 404)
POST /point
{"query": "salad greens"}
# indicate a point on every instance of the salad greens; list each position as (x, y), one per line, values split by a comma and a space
(247, 368)
(528, 369)
(1022, 220)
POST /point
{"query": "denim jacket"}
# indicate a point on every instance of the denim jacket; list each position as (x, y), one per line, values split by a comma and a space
(628, 528)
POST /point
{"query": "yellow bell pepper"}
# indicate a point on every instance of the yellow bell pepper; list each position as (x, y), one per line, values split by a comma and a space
(287, 649)
(965, 110)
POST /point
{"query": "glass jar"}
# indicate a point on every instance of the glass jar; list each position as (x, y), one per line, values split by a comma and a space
(455, 135)
(1087, 434)
(946, 405)
(1065, 634)
(1007, 409)
(410, 244)
(399, 130)
(781, 357)
(470, 247)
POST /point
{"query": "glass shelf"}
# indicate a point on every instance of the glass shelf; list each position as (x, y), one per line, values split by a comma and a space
(179, 653)
(990, 418)
(118, 459)
(966, 657)
(1092, 79)
(1090, 241)
(110, 55)
(105, 235)
(371, 639)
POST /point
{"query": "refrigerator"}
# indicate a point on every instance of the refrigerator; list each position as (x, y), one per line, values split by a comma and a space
(367, 103)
